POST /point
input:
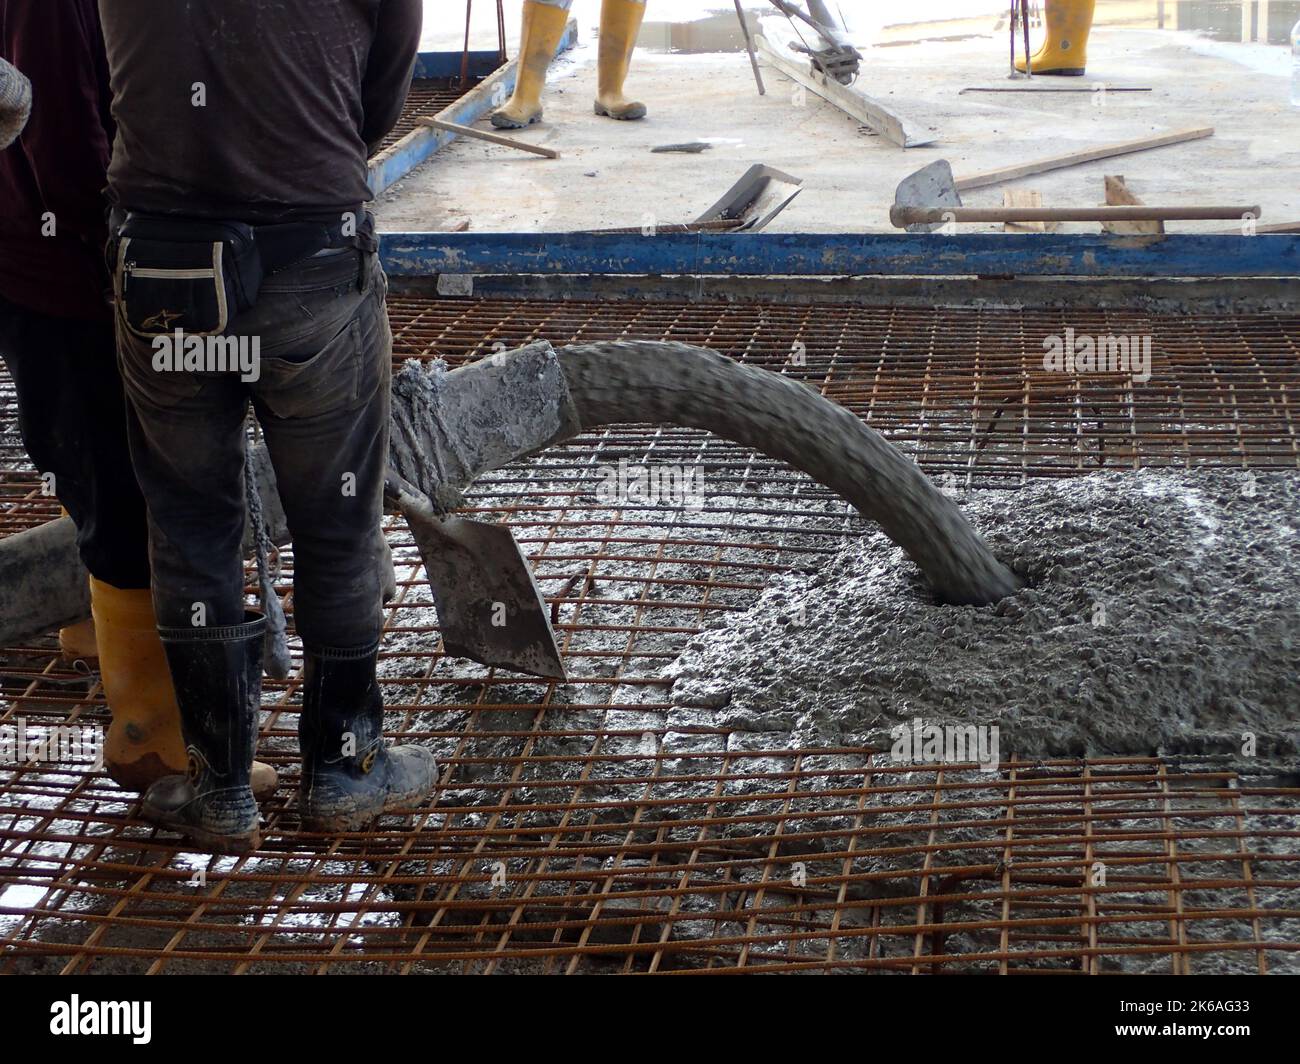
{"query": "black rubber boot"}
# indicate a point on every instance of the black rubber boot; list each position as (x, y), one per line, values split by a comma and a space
(349, 776)
(218, 677)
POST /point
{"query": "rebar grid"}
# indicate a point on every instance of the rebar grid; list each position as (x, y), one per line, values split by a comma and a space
(575, 830)
(427, 97)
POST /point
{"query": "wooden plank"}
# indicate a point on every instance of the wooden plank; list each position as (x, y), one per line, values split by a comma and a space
(491, 138)
(418, 146)
(1118, 194)
(1075, 158)
(1025, 197)
(871, 113)
(841, 254)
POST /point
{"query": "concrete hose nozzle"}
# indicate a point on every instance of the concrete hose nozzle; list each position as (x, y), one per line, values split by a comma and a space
(673, 383)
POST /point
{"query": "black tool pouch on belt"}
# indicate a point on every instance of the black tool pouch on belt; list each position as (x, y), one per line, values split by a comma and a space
(181, 274)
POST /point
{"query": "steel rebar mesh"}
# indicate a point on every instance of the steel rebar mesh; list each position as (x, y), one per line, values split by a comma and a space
(427, 97)
(575, 830)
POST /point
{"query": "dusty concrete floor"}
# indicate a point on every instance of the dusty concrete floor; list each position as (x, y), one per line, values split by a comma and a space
(607, 175)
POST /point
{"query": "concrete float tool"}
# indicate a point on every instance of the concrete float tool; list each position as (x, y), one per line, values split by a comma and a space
(451, 426)
(928, 199)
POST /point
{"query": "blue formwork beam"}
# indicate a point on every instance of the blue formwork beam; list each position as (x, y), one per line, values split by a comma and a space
(447, 64)
(842, 254)
(393, 164)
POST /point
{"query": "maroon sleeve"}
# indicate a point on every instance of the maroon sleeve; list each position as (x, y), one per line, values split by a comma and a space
(68, 141)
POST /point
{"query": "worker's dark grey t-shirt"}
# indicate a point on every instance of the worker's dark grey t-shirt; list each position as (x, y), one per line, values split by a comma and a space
(253, 110)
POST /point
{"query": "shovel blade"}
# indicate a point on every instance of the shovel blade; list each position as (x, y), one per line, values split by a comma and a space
(489, 605)
(930, 186)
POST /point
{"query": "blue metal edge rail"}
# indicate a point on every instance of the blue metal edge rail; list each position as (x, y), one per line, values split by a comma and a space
(842, 254)
(395, 163)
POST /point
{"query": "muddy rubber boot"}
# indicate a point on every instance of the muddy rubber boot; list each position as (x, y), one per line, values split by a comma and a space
(620, 22)
(144, 741)
(1064, 50)
(218, 676)
(349, 776)
(544, 22)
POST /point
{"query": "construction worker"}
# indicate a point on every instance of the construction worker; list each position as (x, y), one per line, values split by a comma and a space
(544, 21)
(56, 337)
(1064, 50)
(239, 178)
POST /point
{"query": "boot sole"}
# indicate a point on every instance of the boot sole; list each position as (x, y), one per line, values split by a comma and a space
(230, 844)
(337, 823)
(631, 115)
(510, 123)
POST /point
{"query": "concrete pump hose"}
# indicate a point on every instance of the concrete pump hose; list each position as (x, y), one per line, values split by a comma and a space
(674, 383)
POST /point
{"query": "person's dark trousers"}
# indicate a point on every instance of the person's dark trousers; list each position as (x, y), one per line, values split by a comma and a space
(72, 416)
(322, 399)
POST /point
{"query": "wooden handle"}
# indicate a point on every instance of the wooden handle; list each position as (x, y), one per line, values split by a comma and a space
(491, 138)
(904, 216)
(1075, 158)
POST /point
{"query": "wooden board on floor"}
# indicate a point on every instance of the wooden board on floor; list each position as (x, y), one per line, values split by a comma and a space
(1075, 158)
(1119, 195)
(1025, 197)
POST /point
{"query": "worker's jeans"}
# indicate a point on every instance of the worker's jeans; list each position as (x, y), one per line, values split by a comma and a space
(73, 421)
(322, 399)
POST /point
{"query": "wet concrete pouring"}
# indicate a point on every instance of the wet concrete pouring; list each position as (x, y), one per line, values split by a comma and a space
(1161, 618)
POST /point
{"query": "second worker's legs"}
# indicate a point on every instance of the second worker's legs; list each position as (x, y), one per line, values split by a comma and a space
(325, 417)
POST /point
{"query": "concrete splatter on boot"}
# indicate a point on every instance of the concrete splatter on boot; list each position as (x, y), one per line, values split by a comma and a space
(620, 22)
(349, 776)
(218, 677)
(544, 22)
(144, 741)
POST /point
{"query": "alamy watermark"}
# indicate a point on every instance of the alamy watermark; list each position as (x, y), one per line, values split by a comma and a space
(655, 485)
(920, 743)
(131, 1019)
(177, 352)
(23, 744)
(1085, 353)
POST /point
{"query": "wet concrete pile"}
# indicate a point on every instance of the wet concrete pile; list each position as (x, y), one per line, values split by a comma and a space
(1161, 616)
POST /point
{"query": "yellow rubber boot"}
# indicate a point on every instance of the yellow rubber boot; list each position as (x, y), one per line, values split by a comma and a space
(1064, 50)
(144, 741)
(544, 24)
(77, 641)
(620, 22)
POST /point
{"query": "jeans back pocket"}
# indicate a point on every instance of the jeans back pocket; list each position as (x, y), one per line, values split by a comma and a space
(324, 383)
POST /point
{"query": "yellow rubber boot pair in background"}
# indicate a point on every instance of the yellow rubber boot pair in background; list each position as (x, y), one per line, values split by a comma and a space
(1064, 50)
(144, 741)
(620, 21)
